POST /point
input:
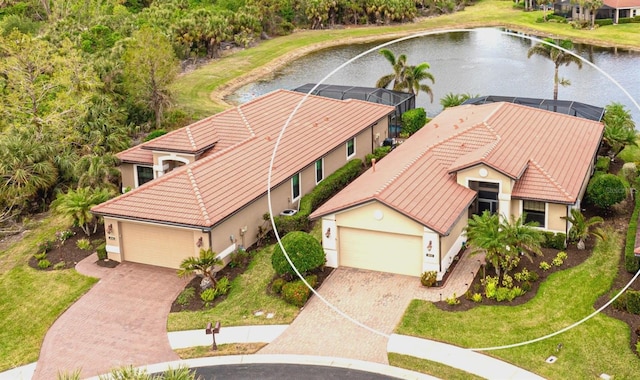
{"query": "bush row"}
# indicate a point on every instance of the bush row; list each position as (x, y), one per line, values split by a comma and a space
(323, 191)
(378, 154)
(630, 260)
(554, 240)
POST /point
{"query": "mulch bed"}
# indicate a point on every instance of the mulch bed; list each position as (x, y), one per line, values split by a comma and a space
(67, 252)
(619, 218)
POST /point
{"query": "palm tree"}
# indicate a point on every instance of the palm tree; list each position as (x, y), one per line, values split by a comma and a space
(205, 265)
(580, 226)
(97, 171)
(619, 128)
(524, 237)
(452, 100)
(77, 204)
(484, 235)
(398, 77)
(553, 51)
(405, 77)
(417, 74)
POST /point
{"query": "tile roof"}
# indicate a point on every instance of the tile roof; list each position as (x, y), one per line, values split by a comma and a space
(548, 154)
(620, 4)
(207, 191)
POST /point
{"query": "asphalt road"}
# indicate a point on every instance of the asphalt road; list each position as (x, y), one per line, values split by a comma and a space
(283, 372)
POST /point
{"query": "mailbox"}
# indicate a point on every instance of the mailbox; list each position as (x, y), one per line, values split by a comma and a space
(213, 331)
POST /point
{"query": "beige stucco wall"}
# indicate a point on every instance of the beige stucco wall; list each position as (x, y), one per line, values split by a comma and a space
(555, 212)
(516, 208)
(473, 174)
(447, 242)
(127, 174)
(378, 217)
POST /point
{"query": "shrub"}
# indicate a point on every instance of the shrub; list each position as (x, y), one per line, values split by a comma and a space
(620, 303)
(238, 258)
(633, 301)
(630, 172)
(208, 295)
(557, 261)
(102, 251)
(517, 291)
(83, 244)
(526, 286)
(507, 281)
(46, 246)
(378, 153)
(413, 120)
(562, 255)
(40, 256)
(323, 191)
(631, 263)
(304, 250)
(453, 300)
(554, 240)
(277, 284)
(295, 293)
(222, 286)
(64, 235)
(602, 164)
(545, 266)
(154, 134)
(625, 20)
(604, 21)
(428, 278)
(44, 264)
(185, 297)
(504, 294)
(533, 276)
(476, 297)
(522, 275)
(606, 190)
(312, 280)
(490, 286)
(59, 265)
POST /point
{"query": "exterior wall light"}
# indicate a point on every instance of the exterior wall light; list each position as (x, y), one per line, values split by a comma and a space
(199, 242)
(110, 229)
(328, 233)
(430, 246)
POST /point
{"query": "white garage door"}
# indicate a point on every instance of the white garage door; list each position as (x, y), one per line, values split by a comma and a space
(380, 251)
(162, 246)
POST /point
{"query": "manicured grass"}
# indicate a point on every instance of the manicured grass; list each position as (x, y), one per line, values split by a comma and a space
(223, 349)
(248, 294)
(31, 300)
(430, 368)
(199, 91)
(600, 345)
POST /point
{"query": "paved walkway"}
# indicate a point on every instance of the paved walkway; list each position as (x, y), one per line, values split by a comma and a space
(376, 300)
(121, 320)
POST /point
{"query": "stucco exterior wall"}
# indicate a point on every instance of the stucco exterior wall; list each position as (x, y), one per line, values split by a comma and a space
(378, 217)
(449, 242)
(483, 173)
(555, 212)
(127, 174)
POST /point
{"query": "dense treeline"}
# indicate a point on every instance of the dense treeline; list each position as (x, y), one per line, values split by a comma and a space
(81, 80)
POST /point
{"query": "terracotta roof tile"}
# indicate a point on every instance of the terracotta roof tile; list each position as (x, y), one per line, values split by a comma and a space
(209, 190)
(619, 4)
(136, 155)
(548, 154)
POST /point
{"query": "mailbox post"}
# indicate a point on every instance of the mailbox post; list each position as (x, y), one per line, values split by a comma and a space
(213, 331)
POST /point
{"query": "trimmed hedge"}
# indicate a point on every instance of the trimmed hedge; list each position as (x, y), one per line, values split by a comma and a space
(321, 193)
(413, 120)
(604, 21)
(602, 164)
(554, 240)
(630, 260)
(295, 293)
(606, 190)
(378, 153)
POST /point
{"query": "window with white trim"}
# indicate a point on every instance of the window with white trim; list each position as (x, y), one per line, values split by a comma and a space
(319, 170)
(534, 212)
(351, 148)
(295, 187)
(144, 174)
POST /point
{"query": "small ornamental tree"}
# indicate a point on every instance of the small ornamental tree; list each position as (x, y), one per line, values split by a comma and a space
(606, 190)
(206, 265)
(413, 120)
(304, 250)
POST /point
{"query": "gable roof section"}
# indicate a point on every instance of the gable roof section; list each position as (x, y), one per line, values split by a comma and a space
(548, 154)
(207, 191)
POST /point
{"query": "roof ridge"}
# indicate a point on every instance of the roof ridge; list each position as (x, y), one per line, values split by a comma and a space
(196, 191)
(244, 119)
(422, 154)
(190, 136)
(551, 179)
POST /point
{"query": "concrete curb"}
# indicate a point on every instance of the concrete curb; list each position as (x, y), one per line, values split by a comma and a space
(234, 334)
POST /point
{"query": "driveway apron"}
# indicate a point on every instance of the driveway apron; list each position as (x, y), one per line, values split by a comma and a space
(377, 300)
(120, 321)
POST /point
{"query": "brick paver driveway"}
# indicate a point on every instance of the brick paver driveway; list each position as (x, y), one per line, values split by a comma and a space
(377, 300)
(120, 321)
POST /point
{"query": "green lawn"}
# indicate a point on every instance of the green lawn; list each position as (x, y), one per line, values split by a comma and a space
(430, 368)
(31, 300)
(247, 295)
(600, 345)
(199, 91)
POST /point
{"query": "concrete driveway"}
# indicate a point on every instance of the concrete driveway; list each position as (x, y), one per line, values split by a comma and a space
(120, 321)
(377, 300)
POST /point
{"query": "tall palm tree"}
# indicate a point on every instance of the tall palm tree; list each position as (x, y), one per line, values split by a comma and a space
(581, 226)
(549, 49)
(398, 77)
(405, 77)
(417, 74)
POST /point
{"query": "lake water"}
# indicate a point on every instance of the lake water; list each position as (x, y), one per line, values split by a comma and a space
(483, 61)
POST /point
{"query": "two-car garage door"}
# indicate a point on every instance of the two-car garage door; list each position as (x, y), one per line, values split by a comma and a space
(162, 246)
(380, 251)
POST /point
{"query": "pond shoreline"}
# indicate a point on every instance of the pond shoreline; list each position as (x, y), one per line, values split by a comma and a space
(220, 95)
